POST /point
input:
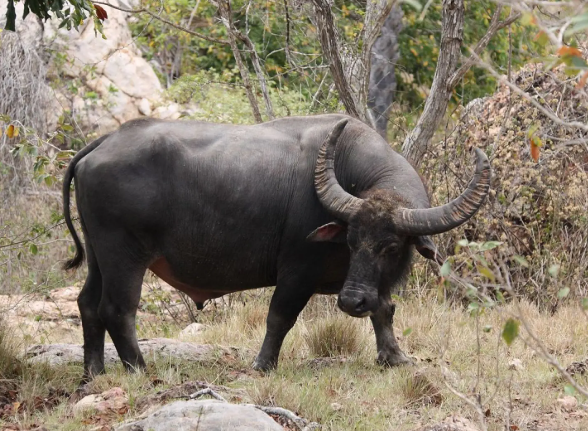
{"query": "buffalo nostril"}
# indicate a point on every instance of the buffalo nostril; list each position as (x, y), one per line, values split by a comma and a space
(360, 305)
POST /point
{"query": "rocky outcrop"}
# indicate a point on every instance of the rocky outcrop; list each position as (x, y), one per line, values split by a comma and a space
(108, 81)
(57, 354)
(205, 415)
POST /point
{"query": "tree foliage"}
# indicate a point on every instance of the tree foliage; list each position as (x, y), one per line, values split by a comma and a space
(72, 13)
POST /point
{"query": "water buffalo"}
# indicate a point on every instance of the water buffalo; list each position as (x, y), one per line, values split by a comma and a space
(317, 204)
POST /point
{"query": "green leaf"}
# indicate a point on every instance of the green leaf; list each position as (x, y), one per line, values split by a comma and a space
(553, 270)
(489, 245)
(413, 3)
(487, 328)
(473, 307)
(569, 390)
(521, 261)
(500, 297)
(578, 24)
(446, 268)
(584, 304)
(510, 331)
(485, 271)
(563, 292)
(463, 242)
(406, 332)
(33, 249)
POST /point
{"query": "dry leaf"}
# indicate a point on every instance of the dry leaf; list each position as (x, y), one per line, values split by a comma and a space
(569, 50)
(534, 150)
(12, 131)
(582, 80)
(100, 12)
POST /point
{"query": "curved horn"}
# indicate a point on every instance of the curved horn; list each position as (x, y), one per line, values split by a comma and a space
(336, 200)
(441, 219)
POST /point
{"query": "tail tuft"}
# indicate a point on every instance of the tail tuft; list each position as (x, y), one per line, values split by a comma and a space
(76, 261)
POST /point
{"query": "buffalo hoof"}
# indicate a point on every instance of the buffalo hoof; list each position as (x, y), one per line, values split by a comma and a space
(394, 359)
(264, 366)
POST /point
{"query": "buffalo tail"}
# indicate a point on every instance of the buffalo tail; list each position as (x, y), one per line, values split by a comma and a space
(77, 260)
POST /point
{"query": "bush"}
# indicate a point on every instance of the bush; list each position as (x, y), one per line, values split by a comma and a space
(534, 221)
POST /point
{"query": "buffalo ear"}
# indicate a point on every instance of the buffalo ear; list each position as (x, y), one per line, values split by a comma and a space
(330, 232)
(427, 248)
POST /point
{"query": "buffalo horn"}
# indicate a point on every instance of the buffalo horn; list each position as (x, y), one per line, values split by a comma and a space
(431, 221)
(336, 200)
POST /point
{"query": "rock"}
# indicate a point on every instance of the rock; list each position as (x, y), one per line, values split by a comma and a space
(209, 415)
(452, 423)
(192, 330)
(132, 74)
(167, 112)
(579, 367)
(568, 403)
(65, 294)
(185, 390)
(336, 406)
(145, 107)
(516, 364)
(114, 399)
(57, 354)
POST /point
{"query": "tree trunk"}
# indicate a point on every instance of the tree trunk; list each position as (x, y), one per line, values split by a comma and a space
(415, 144)
(382, 84)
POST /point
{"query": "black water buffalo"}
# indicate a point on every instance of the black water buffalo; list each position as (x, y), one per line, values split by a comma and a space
(311, 205)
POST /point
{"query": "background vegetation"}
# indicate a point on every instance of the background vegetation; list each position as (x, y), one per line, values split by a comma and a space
(517, 270)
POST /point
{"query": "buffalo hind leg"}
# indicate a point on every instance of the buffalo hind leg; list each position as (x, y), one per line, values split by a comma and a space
(121, 292)
(92, 325)
(389, 352)
(290, 297)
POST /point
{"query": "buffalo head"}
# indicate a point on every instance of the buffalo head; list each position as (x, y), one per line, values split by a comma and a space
(380, 228)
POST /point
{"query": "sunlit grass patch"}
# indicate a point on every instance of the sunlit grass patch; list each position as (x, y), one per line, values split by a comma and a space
(333, 336)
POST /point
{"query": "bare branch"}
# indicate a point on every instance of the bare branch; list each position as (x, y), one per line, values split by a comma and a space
(207, 391)
(495, 26)
(415, 144)
(301, 423)
(165, 21)
(258, 71)
(328, 38)
(287, 47)
(224, 8)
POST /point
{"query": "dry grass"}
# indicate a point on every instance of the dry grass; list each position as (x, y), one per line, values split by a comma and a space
(355, 393)
(333, 336)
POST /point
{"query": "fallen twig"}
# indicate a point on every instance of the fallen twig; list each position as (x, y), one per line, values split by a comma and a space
(207, 391)
(301, 423)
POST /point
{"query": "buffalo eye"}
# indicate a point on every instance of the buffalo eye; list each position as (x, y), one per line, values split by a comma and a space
(388, 248)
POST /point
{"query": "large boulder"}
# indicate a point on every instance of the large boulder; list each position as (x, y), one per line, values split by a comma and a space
(113, 82)
(209, 415)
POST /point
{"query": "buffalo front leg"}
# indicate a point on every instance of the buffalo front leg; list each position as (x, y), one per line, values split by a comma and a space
(289, 298)
(389, 352)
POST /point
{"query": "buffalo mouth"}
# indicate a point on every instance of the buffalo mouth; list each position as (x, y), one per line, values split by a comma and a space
(357, 300)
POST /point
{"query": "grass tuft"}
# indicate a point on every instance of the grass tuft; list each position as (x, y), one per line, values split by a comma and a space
(417, 388)
(334, 336)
